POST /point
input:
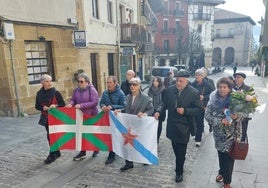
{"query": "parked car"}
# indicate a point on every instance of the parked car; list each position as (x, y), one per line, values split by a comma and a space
(180, 67)
(162, 71)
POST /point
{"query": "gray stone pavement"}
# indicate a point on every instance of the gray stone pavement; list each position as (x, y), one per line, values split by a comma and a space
(24, 147)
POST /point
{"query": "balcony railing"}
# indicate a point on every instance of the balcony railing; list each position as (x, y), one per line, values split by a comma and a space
(133, 33)
(179, 12)
(223, 36)
(147, 47)
(201, 16)
(176, 12)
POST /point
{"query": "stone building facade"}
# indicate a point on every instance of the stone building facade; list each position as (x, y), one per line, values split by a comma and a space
(232, 38)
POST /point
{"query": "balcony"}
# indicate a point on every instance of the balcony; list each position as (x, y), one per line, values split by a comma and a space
(201, 16)
(223, 36)
(168, 31)
(178, 12)
(133, 33)
(146, 48)
(148, 13)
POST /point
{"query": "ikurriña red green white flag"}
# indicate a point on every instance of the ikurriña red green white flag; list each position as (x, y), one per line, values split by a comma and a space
(70, 129)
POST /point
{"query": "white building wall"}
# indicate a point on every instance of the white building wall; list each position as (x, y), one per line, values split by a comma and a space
(38, 11)
(100, 31)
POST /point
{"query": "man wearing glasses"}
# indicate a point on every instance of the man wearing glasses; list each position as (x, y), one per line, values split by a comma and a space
(85, 98)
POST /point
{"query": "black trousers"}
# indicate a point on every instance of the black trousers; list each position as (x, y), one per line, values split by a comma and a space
(180, 152)
(159, 130)
(226, 164)
(199, 119)
(244, 129)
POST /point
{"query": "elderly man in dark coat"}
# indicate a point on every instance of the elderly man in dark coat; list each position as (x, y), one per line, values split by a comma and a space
(185, 104)
(240, 85)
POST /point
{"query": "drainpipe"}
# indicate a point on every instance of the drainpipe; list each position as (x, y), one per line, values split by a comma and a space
(15, 79)
(118, 40)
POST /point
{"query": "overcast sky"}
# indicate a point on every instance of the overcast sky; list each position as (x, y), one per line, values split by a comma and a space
(253, 8)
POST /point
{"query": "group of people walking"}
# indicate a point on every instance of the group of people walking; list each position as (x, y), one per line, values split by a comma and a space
(187, 105)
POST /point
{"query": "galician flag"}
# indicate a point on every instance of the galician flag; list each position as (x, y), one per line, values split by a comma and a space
(134, 138)
(70, 129)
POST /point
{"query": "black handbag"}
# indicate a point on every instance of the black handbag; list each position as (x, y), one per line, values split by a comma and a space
(239, 150)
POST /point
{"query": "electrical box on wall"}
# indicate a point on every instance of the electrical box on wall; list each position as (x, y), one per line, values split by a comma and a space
(8, 29)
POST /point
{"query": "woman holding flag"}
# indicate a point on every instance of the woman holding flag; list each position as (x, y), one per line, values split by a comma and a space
(85, 98)
(48, 97)
(137, 103)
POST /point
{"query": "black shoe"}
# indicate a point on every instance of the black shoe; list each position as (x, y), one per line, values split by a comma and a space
(126, 167)
(109, 160)
(210, 128)
(50, 158)
(57, 154)
(81, 155)
(178, 178)
(95, 154)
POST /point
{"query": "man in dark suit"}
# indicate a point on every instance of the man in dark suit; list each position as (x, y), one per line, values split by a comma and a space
(180, 121)
(239, 78)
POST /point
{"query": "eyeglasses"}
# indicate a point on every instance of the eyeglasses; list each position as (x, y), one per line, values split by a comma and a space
(80, 81)
(133, 84)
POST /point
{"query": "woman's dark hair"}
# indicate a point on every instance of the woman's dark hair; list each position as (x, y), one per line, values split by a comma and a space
(159, 80)
(227, 81)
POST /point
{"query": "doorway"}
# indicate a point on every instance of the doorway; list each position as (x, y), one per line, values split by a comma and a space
(93, 61)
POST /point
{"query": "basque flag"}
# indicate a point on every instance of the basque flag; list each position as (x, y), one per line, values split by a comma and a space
(70, 129)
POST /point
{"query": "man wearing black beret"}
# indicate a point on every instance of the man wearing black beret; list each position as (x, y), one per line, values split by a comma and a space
(182, 102)
(239, 78)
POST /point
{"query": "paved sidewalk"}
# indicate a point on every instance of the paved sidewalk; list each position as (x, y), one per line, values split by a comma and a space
(24, 147)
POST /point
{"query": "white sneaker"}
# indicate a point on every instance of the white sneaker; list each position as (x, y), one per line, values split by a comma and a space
(197, 144)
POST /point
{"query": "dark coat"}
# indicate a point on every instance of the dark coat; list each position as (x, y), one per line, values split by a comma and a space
(179, 126)
(125, 87)
(204, 89)
(46, 98)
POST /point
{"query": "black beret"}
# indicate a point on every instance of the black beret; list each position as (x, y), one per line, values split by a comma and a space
(240, 74)
(182, 73)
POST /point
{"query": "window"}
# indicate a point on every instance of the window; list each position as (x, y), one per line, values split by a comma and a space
(231, 31)
(218, 32)
(199, 28)
(177, 26)
(39, 60)
(200, 12)
(95, 11)
(166, 45)
(166, 9)
(165, 26)
(109, 11)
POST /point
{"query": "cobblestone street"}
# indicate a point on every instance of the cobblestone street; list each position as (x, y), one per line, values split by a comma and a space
(24, 147)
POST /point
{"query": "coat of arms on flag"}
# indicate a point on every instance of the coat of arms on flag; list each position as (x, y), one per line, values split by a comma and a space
(134, 138)
(70, 129)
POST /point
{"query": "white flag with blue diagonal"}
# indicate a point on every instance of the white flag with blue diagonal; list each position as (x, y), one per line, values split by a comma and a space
(134, 138)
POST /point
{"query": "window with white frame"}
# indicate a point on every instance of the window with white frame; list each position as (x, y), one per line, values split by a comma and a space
(109, 11)
(166, 45)
(39, 60)
(95, 11)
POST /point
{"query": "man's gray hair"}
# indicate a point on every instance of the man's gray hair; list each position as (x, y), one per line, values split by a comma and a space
(113, 78)
(85, 76)
(45, 77)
